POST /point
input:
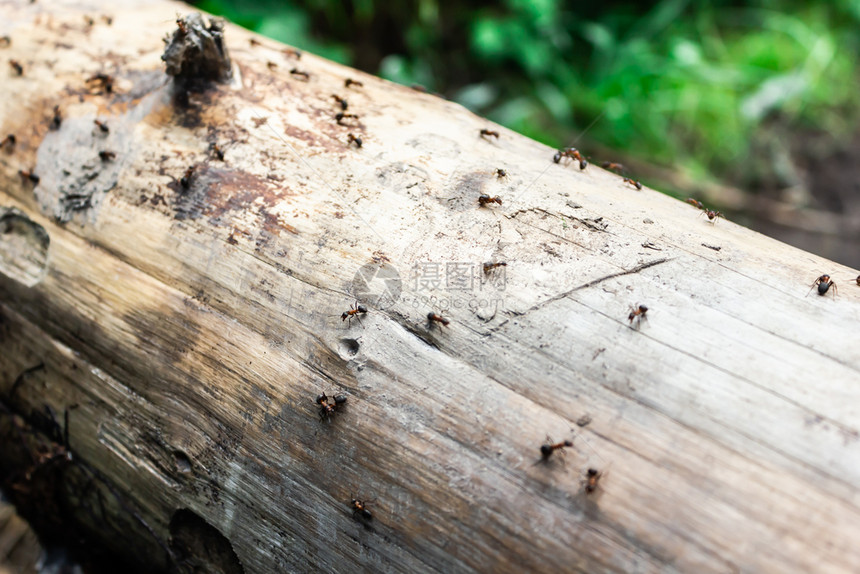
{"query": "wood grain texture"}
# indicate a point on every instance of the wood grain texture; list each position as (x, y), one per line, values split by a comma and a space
(193, 329)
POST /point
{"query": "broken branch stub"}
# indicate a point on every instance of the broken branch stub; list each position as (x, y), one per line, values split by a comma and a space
(196, 52)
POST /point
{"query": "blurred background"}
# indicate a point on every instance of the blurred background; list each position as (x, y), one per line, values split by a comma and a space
(750, 106)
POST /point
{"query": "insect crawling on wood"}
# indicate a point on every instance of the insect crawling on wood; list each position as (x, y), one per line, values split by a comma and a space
(571, 153)
(637, 313)
(217, 151)
(550, 447)
(29, 175)
(340, 116)
(359, 509)
(614, 167)
(17, 67)
(329, 405)
(824, 283)
(352, 139)
(490, 266)
(185, 181)
(57, 119)
(634, 183)
(9, 141)
(484, 200)
(350, 82)
(434, 318)
(354, 312)
(712, 215)
(340, 101)
(107, 155)
(183, 27)
(592, 478)
(485, 133)
(300, 74)
(102, 126)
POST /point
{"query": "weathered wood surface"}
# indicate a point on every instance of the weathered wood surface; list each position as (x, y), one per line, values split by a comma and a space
(193, 329)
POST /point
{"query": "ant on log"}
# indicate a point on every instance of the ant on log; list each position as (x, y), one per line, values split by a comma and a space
(824, 283)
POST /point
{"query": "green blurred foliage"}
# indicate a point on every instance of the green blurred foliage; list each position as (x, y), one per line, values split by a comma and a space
(675, 82)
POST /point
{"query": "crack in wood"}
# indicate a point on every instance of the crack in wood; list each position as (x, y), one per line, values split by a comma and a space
(537, 306)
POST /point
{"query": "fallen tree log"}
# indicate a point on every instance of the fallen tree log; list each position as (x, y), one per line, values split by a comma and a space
(177, 291)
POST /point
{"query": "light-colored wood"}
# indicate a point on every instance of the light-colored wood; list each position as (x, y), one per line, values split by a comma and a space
(194, 328)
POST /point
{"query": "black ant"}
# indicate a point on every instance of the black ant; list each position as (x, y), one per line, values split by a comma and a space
(300, 74)
(340, 116)
(29, 175)
(343, 103)
(57, 119)
(216, 149)
(107, 155)
(272, 66)
(19, 69)
(634, 183)
(102, 126)
(105, 80)
(637, 312)
(254, 42)
(359, 509)
(486, 200)
(696, 203)
(614, 167)
(485, 133)
(824, 283)
(329, 405)
(547, 449)
(353, 139)
(500, 173)
(183, 28)
(350, 82)
(185, 181)
(592, 477)
(10, 140)
(434, 318)
(292, 52)
(489, 266)
(353, 312)
(572, 153)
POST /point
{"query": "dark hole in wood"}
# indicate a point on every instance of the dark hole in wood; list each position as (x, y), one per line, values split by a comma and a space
(183, 463)
(199, 547)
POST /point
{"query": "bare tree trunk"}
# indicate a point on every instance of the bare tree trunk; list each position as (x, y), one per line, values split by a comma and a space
(181, 305)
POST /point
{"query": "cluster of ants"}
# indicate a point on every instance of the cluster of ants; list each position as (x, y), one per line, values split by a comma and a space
(329, 405)
(592, 475)
(824, 282)
(342, 115)
(568, 153)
